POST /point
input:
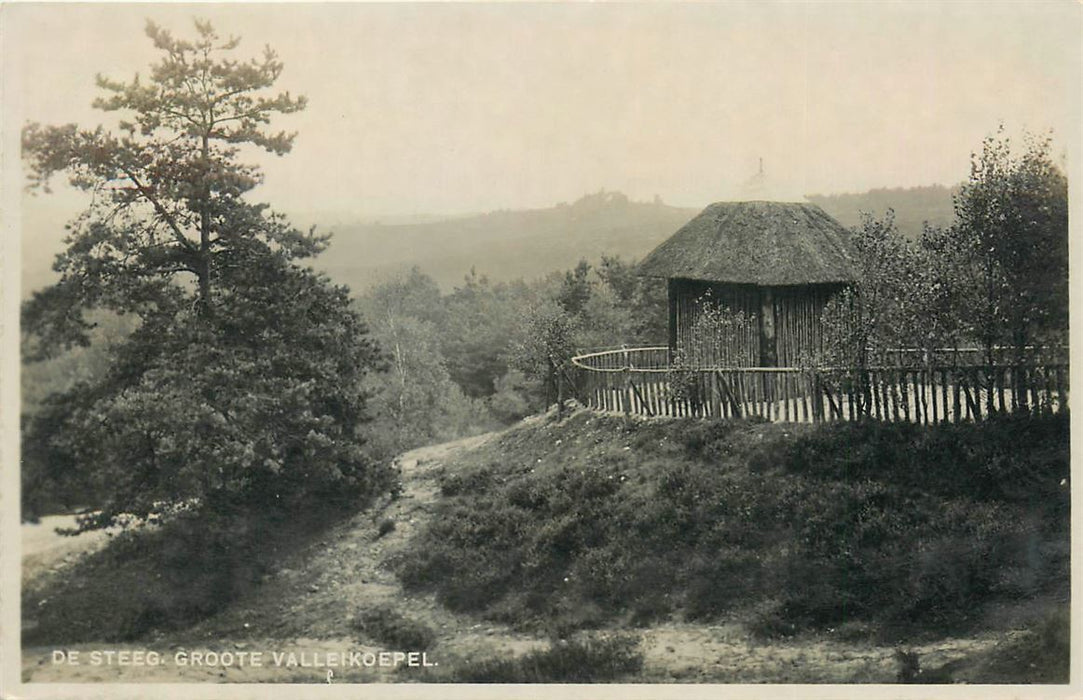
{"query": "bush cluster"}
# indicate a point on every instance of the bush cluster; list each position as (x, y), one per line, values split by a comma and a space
(159, 578)
(386, 626)
(604, 519)
(591, 660)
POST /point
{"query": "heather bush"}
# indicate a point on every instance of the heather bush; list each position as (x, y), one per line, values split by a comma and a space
(600, 519)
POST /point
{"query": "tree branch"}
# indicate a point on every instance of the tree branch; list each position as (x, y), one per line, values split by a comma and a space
(177, 233)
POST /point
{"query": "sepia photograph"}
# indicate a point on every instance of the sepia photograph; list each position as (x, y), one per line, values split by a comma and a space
(501, 349)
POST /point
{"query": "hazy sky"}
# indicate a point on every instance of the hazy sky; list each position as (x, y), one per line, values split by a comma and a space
(451, 108)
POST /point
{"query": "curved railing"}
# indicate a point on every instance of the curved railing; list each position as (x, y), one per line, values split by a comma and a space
(645, 381)
(652, 359)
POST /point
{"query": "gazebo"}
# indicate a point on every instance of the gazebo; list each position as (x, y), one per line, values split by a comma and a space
(777, 263)
(748, 283)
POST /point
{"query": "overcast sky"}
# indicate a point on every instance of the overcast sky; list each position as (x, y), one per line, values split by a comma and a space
(453, 108)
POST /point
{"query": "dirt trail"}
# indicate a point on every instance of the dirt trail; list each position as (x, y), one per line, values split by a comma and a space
(44, 551)
(311, 602)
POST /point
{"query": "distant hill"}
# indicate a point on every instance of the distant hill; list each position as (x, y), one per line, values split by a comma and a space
(508, 245)
(913, 206)
(503, 245)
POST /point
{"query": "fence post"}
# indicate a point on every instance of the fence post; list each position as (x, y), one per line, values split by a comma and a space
(560, 394)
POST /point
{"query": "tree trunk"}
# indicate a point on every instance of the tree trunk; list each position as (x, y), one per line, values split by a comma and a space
(204, 274)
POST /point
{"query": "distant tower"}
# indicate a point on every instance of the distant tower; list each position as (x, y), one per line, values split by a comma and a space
(760, 188)
(755, 188)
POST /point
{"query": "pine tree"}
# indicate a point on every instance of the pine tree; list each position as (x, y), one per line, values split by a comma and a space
(242, 384)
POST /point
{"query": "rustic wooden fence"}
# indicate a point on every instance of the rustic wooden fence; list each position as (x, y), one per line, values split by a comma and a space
(642, 381)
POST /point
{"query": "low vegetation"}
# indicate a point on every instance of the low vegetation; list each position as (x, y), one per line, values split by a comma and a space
(592, 659)
(870, 530)
(164, 578)
(394, 630)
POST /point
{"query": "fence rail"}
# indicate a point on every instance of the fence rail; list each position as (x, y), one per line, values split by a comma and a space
(642, 381)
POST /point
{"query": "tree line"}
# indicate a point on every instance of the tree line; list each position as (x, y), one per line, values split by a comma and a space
(485, 354)
(995, 280)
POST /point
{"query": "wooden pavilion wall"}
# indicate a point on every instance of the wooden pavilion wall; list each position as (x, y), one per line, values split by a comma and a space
(791, 331)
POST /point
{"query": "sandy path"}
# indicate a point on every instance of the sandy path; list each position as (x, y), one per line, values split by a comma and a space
(43, 550)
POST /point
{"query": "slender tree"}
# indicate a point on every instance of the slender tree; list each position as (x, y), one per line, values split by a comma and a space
(1012, 228)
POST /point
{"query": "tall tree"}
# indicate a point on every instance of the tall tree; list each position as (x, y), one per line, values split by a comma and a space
(866, 324)
(242, 384)
(543, 345)
(168, 185)
(416, 402)
(1012, 227)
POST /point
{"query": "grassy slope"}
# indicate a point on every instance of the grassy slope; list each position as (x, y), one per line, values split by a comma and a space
(892, 533)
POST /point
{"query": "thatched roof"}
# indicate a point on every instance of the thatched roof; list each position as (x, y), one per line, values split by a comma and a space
(764, 243)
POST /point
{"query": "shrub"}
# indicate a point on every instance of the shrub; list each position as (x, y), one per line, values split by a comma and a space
(391, 628)
(387, 526)
(602, 519)
(162, 578)
(591, 660)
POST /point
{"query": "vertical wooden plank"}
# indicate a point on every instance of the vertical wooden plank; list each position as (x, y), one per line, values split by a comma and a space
(672, 289)
(786, 397)
(944, 390)
(818, 400)
(928, 407)
(1034, 384)
(770, 394)
(1045, 392)
(998, 380)
(874, 393)
(968, 401)
(768, 346)
(1062, 389)
(764, 386)
(1051, 388)
(757, 391)
(975, 384)
(918, 381)
(934, 394)
(806, 399)
(900, 395)
(893, 393)
(956, 384)
(911, 395)
(904, 391)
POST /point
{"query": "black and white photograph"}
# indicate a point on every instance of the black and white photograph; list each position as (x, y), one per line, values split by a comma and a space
(581, 349)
